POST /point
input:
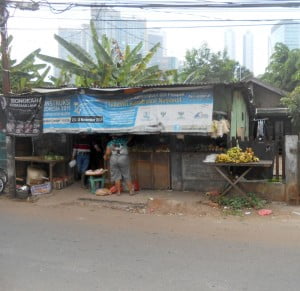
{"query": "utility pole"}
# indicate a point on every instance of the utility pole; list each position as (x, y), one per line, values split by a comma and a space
(10, 140)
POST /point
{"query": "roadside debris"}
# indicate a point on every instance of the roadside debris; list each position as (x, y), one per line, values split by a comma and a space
(264, 212)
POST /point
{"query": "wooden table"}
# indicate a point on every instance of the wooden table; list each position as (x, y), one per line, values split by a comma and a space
(222, 169)
(37, 159)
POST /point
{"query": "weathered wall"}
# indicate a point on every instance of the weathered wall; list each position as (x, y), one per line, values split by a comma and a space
(265, 98)
(267, 190)
(188, 172)
(239, 117)
(222, 99)
(292, 155)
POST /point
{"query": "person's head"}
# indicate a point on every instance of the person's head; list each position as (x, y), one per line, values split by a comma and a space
(115, 135)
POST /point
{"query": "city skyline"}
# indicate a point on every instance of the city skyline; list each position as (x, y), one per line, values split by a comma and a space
(182, 34)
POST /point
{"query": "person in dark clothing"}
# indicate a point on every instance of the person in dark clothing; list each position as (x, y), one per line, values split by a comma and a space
(82, 153)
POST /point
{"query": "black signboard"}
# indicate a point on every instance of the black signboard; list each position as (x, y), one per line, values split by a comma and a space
(22, 115)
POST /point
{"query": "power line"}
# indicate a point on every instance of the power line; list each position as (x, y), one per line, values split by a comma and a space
(166, 20)
(164, 4)
(180, 27)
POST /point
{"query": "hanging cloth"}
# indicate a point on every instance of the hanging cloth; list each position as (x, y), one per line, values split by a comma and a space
(260, 128)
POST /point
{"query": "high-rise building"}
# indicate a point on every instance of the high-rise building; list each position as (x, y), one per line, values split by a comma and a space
(248, 50)
(229, 43)
(77, 36)
(286, 32)
(74, 35)
(125, 30)
(169, 63)
(154, 37)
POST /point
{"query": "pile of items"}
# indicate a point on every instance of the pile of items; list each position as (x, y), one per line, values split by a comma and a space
(237, 155)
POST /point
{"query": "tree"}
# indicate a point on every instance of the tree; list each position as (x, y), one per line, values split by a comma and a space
(25, 74)
(284, 69)
(202, 65)
(292, 102)
(110, 66)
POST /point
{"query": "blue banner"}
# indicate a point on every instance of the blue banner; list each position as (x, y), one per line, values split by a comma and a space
(163, 111)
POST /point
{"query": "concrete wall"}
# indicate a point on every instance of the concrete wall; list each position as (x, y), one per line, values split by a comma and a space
(291, 168)
(188, 172)
(273, 191)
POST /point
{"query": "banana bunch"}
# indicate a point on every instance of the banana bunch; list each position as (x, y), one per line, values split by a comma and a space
(237, 155)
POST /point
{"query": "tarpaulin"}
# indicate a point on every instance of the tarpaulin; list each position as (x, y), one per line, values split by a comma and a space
(22, 115)
(146, 112)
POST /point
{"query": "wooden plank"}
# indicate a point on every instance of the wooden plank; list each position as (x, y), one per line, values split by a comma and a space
(277, 157)
(261, 163)
(161, 170)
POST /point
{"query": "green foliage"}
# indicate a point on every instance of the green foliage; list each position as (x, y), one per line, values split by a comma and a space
(292, 101)
(26, 74)
(110, 67)
(202, 65)
(241, 202)
(284, 69)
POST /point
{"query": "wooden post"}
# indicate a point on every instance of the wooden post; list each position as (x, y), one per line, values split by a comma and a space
(283, 159)
(10, 140)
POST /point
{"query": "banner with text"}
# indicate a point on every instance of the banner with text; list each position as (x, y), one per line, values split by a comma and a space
(173, 111)
(22, 115)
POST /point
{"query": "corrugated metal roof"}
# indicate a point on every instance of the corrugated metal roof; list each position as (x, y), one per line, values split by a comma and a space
(142, 87)
(265, 85)
(278, 111)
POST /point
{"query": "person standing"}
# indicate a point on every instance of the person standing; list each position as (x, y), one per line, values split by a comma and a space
(81, 152)
(117, 154)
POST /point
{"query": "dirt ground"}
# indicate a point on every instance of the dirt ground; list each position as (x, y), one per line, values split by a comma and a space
(171, 203)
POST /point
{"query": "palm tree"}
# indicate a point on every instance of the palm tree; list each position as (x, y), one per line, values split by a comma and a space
(26, 74)
(110, 67)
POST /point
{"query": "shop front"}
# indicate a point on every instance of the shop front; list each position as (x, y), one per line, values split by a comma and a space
(174, 128)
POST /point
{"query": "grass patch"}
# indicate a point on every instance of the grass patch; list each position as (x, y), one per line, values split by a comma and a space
(237, 203)
(275, 180)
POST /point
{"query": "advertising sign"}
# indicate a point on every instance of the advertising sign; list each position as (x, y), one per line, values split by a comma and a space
(21, 115)
(173, 111)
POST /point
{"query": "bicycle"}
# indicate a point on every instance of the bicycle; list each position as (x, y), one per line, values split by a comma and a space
(3, 179)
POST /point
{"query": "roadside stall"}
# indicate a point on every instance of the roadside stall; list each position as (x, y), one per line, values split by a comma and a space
(174, 127)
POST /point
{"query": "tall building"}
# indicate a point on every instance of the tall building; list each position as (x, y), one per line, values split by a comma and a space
(286, 32)
(79, 36)
(74, 35)
(169, 63)
(229, 43)
(154, 37)
(125, 30)
(248, 50)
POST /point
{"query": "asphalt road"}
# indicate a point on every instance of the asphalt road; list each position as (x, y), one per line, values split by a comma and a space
(85, 248)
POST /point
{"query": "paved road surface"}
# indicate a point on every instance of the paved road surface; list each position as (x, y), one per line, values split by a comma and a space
(91, 248)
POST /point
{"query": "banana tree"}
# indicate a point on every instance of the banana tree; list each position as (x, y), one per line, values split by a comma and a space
(110, 66)
(25, 74)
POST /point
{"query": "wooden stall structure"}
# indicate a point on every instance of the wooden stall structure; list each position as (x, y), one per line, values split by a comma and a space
(174, 128)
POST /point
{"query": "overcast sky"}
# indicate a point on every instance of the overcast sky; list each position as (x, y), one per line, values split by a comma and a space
(35, 29)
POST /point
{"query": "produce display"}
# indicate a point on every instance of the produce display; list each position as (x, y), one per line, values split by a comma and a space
(237, 155)
(53, 157)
